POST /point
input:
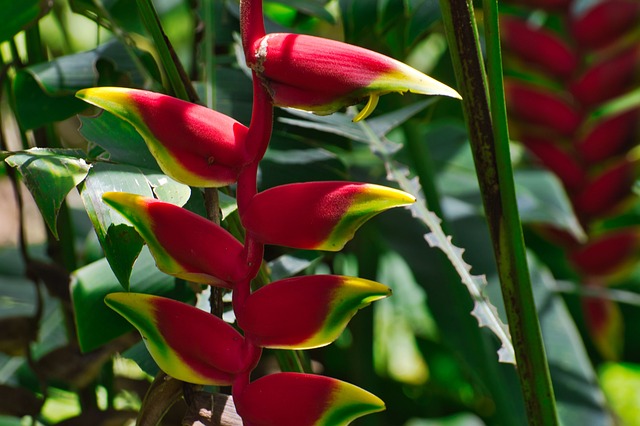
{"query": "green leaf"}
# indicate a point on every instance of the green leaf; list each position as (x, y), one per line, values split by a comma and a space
(620, 383)
(120, 242)
(293, 263)
(119, 138)
(19, 15)
(580, 400)
(44, 92)
(50, 175)
(96, 323)
(315, 8)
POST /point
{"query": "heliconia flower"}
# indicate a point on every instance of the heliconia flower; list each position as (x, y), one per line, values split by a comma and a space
(182, 243)
(539, 46)
(539, 107)
(545, 4)
(557, 160)
(192, 144)
(317, 215)
(297, 399)
(609, 256)
(305, 312)
(321, 75)
(186, 342)
(607, 137)
(608, 78)
(608, 191)
(605, 21)
(606, 326)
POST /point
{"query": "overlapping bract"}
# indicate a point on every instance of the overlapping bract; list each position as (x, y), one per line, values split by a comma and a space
(321, 75)
(187, 343)
(294, 399)
(192, 144)
(317, 215)
(305, 312)
(182, 243)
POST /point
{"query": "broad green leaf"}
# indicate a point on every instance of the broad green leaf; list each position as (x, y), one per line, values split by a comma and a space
(120, 139)
(315, 8)
(120, 242)
(18, 15)
(50, 175)
(96, 323)
(293, 263)
(44, 92)
(167, 189)
(620, 383)
(579, 398)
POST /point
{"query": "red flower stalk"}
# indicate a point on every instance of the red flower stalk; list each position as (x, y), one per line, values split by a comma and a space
(182, 243)
(186, 343)
(539, 46)
(322, 75)
(607, 137)
(192, 144)
(541, 108)
(294, 399)
(305, 312)
(317, 215)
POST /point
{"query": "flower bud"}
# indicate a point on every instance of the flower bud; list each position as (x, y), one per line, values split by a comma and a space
(317, 215)
(193, 144)
(305, 312)
(182, 243)
(186, 342)
(321, 75)
(296, 399)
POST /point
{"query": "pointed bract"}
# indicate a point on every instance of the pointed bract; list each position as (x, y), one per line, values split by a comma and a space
(186, 343)
(321, 75)
(182, 243)
(317, 215)
(296, 399)
(305, 312)
(192, 144)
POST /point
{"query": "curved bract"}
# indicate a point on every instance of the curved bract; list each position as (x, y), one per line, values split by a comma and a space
(192, 144)
(317, 215)
(182, 243)
(305, 312)
(186, 343)
(322, 75)
(296, 399)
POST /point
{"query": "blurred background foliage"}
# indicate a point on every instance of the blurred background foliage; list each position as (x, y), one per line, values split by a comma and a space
(66, 359)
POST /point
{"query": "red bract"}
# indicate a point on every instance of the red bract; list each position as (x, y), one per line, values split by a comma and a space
(605, 22)
(182, 243)
(539, 107)
(305, 312)
(607, 191)
(317, 215)
(605, 324)
(607, 137)
(608, 255)
(607, 78)
(293, 399)
(539, 46)
(186, 343)
(558, 161)
(322, 75)
(193, 144)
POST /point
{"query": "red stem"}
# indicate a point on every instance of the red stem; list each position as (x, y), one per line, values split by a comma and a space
(251, 24)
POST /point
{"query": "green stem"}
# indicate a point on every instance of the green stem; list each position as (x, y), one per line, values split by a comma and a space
(495, 176)
(176, 75)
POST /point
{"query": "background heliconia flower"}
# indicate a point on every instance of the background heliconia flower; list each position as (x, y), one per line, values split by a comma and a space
(191, 143)
(317, 215)
(305, 312)
(182, 243)
(322, 75)
(609, 256)
(295, 399)
(186, 342)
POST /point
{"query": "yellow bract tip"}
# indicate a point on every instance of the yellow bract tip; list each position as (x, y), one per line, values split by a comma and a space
(368, 108)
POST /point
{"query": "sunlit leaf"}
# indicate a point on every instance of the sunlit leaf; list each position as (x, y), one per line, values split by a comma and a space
(20, 14)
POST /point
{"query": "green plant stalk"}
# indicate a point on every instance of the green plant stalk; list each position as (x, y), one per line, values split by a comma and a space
(495, 176)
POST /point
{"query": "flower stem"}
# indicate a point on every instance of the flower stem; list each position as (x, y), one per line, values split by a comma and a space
(251, 24)
(495, 176)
